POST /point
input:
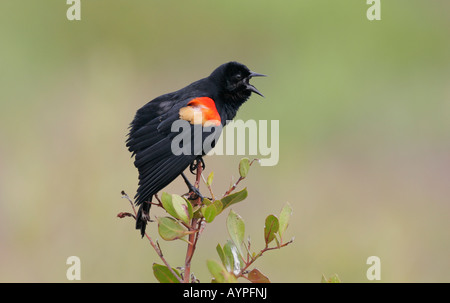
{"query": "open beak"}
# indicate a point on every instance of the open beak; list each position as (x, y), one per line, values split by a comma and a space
(251, 87)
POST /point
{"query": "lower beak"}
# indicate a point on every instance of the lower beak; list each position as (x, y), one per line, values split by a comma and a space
(251, 87)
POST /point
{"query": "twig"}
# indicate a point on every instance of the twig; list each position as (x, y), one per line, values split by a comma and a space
(193, 238)
(232, 188)
(253, 259)
(124, 195)
(199, 173)
(159, 201)
(155, 246)
(125, 214)
(248, 249)
(209, 188)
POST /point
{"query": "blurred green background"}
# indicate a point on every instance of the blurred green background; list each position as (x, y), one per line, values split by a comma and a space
(364, 110)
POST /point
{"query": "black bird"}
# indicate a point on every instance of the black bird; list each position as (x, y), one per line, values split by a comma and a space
(215, 99)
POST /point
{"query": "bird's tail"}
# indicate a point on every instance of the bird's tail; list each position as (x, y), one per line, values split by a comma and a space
(143, 216)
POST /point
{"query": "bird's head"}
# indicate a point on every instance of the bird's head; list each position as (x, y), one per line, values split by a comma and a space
(234, 80)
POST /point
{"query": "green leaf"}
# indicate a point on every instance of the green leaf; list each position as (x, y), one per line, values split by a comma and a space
(227, 257)
(196, 211)
(166, 200)
(233, 261)
(170, 229)
(234, 198)
(270, 228)
(212, 210)
(255, 276)
(182, 207)
(221, 253)
(163, 274)
(332, 279)
(210, 179)
(190, 209)
(236, 230)
(276, 241)
(177, 207)
(285, 215)
(244, 166)
(219, 272)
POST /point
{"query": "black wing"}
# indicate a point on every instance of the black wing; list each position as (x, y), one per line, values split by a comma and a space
(150, 140)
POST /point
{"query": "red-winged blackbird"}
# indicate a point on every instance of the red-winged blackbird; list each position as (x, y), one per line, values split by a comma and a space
(216, 98)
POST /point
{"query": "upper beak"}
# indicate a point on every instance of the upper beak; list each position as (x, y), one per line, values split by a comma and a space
(253, 74)
(251, 87)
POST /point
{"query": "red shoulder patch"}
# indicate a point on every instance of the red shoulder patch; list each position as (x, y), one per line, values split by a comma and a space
(201, 110)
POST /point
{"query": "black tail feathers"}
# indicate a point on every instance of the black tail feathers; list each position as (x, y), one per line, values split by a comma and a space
(143, 216)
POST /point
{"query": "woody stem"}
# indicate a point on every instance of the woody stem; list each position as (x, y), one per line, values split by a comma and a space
(195, 224)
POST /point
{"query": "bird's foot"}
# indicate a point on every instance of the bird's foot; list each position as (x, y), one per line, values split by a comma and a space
(194, 165)
(194, 194)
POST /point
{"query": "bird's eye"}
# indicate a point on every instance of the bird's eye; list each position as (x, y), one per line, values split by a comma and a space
(238, 77)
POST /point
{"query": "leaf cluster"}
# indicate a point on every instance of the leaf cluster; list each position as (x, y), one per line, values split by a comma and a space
(186, 219)
(236, 255)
